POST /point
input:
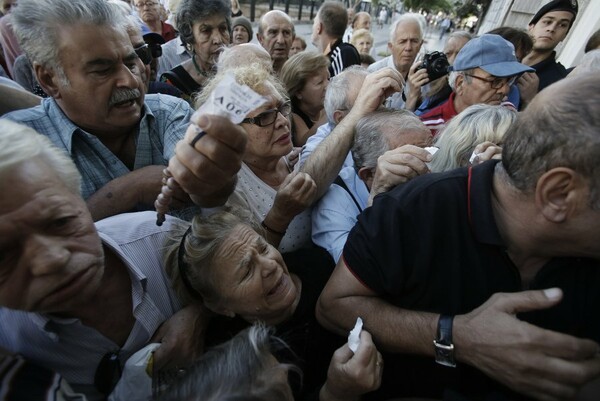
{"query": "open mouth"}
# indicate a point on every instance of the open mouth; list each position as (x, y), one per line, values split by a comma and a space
(125, 103)
(279, 287)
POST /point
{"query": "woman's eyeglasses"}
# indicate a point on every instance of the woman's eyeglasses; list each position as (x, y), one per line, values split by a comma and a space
(268, 117)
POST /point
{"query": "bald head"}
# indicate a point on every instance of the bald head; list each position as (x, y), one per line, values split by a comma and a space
(275, 34)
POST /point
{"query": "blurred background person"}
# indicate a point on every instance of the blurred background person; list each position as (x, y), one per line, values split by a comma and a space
(363, 40)
(205, 30)
(242, 30)
(306, 76)
(298, 45)
(150, 13)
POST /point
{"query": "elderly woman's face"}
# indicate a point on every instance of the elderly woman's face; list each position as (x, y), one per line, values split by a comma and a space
(210, 35)
(273, 140)
(252, 279)
(313, 93)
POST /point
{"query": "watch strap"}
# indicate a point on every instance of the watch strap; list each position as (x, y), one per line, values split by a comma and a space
(444, 348)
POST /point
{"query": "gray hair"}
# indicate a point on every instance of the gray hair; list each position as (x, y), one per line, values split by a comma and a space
(370, 140)
(590, 62)
(241, 368)
(408, 17)
(207, 236)
(461, 35)
(474, 125)
(190, 12)
(19, 143)
(244, 53)
(558, 129)
(336, 95)
(455, 74)
(36, 24)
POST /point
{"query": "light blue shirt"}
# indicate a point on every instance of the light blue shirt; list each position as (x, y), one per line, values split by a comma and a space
(164, 122)
(313, 141)
(336, 213)
(73, 349)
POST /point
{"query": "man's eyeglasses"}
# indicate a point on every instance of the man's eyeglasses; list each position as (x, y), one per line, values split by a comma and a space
(146, 4)
(144, 53)
(495, 82)
(268, 117)
(108, 373)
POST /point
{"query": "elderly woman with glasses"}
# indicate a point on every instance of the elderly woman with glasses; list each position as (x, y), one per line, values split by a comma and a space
(205, 29)
(224, 261)
(266, 184)
(150, 13)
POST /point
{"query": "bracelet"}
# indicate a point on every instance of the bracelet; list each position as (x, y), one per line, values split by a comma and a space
(269, 229)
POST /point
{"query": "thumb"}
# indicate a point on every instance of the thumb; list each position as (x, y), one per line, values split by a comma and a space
(526, 301)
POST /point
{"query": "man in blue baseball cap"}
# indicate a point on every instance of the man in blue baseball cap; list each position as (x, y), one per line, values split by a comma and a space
(548, 27)
(483, 72)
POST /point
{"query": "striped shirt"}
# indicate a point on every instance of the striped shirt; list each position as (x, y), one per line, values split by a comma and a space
(342, 56)
(436, 118)
(74, 350)
(163, 124)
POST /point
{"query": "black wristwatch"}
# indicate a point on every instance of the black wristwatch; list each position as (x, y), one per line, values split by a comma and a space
(444, 349)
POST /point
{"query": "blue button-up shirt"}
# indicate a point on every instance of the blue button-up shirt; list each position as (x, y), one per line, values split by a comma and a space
(163, 123)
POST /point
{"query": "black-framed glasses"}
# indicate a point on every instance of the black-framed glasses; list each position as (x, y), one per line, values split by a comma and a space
(108, 373)
(495, 82)
(268, 117)
(144, 53)
(146, 4)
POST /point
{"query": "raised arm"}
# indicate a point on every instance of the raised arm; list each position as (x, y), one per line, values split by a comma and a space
(325, 162)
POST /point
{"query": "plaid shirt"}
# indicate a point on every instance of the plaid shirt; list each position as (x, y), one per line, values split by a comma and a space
(164, 122)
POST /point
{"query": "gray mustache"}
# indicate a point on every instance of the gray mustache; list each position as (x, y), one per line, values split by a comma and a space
(123, 95)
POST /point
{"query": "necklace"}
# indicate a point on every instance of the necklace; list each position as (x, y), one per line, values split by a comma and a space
(198, 69)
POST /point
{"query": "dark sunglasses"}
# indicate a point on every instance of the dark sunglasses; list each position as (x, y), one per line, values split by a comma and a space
(144, 53)
(268, 117)
(108, 373)
(155, 49)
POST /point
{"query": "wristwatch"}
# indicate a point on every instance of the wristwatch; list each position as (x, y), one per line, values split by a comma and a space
(444, 349)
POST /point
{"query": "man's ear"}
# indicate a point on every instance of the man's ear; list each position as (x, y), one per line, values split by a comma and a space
(530, 27)
(459, 84)
(337, 116)
(366, 175)
(559, 192)
(389, 46)
(259, 38)
(48, 80)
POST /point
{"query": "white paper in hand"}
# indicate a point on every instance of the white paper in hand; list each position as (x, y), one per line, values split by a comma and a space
(354, 336)
(232, 100)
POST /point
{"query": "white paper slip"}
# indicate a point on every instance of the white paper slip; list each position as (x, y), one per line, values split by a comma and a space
(354, 336)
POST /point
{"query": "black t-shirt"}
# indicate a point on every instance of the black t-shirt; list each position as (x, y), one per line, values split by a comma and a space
(342, 56)
(433, 245)
(549, 71)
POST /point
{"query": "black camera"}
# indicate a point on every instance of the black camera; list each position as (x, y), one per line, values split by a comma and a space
(436, 64)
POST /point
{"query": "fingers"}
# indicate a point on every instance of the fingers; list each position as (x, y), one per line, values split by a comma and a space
(219, 128)
(526, 301)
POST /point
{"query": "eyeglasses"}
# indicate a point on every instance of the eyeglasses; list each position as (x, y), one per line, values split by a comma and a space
(495, 82)
(108, 373)
(268, 117)
(144, 53)
(146, 4)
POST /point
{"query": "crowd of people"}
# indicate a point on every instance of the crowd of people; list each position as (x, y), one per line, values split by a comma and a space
(443, 209)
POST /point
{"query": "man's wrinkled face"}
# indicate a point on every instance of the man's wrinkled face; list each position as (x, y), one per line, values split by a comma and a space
(277, 36)
(104, 91)
(405, 45)
(51, 257)
(483, 88)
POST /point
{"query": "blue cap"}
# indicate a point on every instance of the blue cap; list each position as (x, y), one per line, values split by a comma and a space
(493, 54)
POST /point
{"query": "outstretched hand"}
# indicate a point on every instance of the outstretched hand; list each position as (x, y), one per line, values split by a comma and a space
(352, 374)
(539, 363)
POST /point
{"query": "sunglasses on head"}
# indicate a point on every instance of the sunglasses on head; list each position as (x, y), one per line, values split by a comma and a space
(144, 53)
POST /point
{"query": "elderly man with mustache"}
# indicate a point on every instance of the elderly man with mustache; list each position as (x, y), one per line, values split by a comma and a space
(120, 138)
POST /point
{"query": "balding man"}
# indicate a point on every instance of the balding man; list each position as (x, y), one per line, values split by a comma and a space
(406, 39)
(276, 33)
